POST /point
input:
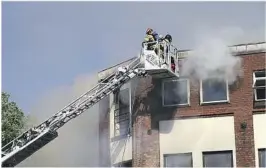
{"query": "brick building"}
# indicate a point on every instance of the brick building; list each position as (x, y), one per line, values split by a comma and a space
(146, 124)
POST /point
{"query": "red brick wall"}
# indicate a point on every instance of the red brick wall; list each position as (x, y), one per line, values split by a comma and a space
(149, 111)
(145, 143)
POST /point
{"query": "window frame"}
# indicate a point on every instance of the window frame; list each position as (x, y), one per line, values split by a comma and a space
(216, 101)
(217, 152)
(188, 92)
(176, 154)
(255, 79)
(117, 132)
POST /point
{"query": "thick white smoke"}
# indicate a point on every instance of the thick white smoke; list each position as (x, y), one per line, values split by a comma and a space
(212, 58)
(77, 143)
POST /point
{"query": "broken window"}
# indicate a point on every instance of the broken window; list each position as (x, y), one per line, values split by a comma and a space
(213, 90)
(122, 113)
(175, 92)
(259, 85)
(178, 160)
(262, 157)
(218, 159)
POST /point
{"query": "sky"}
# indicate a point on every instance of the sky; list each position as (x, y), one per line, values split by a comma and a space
(46, 45)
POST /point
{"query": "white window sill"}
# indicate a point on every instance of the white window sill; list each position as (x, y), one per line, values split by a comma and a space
(215, 102)
(260, 100)
(177, 105)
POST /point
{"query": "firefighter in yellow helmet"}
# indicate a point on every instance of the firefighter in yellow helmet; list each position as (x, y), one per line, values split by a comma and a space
(149, 38)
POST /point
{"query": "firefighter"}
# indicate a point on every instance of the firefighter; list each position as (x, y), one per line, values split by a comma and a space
(160, 47)
(168, 39)
(158, 38)
(155, 35)
(164, 45)
(149, 38)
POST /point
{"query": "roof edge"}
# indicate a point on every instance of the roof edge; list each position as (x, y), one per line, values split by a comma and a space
(235, 49)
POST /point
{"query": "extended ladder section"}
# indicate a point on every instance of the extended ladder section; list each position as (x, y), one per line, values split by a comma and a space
(35, 138)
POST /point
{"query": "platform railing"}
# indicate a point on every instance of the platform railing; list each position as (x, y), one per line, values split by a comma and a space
(164, 50)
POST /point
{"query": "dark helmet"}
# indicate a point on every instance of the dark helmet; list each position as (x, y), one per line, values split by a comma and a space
(168, 37)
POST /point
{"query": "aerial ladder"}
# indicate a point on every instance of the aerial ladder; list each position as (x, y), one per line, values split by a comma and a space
(149, 62)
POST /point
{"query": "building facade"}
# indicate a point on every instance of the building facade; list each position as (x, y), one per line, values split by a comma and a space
(172, 122)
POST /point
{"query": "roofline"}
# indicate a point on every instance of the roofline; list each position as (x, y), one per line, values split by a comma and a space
(238, 49)
(248, 44)
(236, 45)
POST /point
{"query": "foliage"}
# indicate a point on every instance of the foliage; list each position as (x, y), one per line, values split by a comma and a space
(13, 119)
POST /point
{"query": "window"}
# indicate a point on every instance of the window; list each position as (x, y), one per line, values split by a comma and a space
(175, 92)
(259, 85)
(218, 159)
(262, 157)
(214, 91)
(122, 113)
(178, 160)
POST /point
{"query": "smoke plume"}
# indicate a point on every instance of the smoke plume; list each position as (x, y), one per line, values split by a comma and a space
(212, 58)
(77, 143)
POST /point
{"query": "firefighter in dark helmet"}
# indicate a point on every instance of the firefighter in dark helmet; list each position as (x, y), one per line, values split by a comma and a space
(168, 39)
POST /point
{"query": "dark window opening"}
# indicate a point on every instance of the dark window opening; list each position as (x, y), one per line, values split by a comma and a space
(122, 113)
(218, 159)
(214, 90)
(175, 92)
(260, 74)
(262, 157)
(261, 93)
(259, 85)
(178, 160)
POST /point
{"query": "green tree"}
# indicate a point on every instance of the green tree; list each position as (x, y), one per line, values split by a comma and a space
(13, 119)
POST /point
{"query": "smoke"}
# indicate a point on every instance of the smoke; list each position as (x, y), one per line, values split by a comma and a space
(212, 58)
(124, 99)
(77, 143)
